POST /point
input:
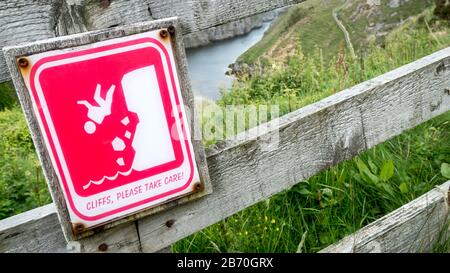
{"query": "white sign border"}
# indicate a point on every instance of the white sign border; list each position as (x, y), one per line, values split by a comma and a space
(85, 40)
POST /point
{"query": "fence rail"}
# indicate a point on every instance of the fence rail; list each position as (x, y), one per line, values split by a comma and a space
(243, 172)
(418, 226)
(24, 21)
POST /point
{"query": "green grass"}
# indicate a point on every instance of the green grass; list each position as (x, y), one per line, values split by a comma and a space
(336, 202)
(383, 14)
(316, 212)
(308, 78)
(317, 29)
(321, 31)
(312, 23)
(8, 97)
(22, 184)
(442, 244)
(278, 29)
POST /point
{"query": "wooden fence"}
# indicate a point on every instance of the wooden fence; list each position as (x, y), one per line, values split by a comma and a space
(418, 226)
(310, 140)
(23, 21)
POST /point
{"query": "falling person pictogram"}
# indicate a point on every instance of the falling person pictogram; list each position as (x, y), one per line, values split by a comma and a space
(150, 140)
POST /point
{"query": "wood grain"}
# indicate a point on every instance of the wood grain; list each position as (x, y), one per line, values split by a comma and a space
(415, 227)
(84, 40)
(38, 230)
(202, 14)
(311, 139)
(255, 166)
(24, 21)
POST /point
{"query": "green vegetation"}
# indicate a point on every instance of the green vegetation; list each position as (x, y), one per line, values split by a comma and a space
(312, 23)
(442, 9)
(443, 240)
(22, 185)
(371, 23)
(337, 202)
(308, 78)
(326, 207)
(7, 95)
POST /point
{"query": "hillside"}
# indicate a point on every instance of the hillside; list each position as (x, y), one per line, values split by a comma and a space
(336, 202)
(315, 25)
(367, 22)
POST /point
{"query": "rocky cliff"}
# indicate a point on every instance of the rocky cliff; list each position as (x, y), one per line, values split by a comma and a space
(226, 31)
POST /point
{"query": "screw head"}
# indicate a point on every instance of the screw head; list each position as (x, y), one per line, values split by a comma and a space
(78, 228)
(169, 223)
(103, 247)
(163, 33)
(105, 3)
(198, 186)
(171, 30)
(22, 62)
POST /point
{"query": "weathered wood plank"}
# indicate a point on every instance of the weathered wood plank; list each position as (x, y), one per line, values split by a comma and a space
(38, 230)
(27, 21)
(311, 139)
(202, 14)
(244, 172)
(23, 21)
(414, 227)
(85, 40)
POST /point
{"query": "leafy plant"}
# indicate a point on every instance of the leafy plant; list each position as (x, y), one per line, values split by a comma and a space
(22, 184)
(7, 96)
(336, 202)
(445, 170)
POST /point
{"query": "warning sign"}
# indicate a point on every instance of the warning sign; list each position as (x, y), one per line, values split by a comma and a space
(114, 124)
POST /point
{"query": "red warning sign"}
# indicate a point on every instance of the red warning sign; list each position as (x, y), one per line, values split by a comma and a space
(115, 126)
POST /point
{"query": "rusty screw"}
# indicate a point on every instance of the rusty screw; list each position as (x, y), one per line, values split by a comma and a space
(171, 30)
(169, 223)
(23, 62)
(163, 33)
(198, 186)
(103, 247)
(78, 228)
(447, 91)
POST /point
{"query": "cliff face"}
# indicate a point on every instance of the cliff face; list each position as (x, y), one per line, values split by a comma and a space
(226, 31)
(43, 19)
(90, 15)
